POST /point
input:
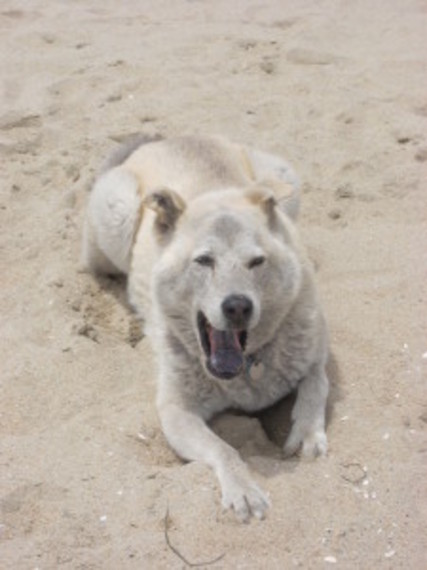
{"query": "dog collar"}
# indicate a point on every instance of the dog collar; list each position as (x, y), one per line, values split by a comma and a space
(254, 367)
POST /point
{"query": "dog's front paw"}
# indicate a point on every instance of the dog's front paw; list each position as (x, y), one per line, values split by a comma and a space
(313, 443)
(242, 494)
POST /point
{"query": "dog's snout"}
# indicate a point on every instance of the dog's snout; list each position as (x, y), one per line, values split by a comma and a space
(237, 309)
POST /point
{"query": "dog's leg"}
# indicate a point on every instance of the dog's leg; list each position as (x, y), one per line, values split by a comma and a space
(112, 219)
(268, 167)
(92, 258)
(192, 439)
(308, 415)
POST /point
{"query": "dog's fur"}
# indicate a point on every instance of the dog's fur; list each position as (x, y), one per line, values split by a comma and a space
(204, 230)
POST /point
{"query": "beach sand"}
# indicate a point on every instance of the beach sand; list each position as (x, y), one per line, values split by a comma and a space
(87, 480)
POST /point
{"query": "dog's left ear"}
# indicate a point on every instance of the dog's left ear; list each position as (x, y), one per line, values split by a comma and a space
(168, 206)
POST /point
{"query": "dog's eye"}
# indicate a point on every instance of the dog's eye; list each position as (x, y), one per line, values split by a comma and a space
(205, 260)
(256, 261)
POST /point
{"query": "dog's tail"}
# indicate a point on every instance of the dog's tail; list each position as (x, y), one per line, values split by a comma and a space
(126, 148)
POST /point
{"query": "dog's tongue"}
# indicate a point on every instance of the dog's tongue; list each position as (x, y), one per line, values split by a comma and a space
(226, 358)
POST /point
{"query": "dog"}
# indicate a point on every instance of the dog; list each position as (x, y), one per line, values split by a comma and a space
(204, 228)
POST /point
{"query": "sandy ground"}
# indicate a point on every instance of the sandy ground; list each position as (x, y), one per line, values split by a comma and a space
(340, 89)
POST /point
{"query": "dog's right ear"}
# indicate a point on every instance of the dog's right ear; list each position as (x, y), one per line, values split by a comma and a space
(168, 206)
(271, 193)
(264, 198)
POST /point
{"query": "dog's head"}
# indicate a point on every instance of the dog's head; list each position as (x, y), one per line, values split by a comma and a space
(228, 273)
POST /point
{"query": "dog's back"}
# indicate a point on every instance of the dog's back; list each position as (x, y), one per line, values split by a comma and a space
(191, 166)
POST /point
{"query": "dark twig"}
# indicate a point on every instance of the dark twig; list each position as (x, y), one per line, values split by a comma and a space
(177, 552)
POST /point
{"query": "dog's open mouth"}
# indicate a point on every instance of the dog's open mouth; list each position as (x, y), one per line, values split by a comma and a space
(223, 348)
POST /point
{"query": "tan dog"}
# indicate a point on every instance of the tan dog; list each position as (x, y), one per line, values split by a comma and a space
(203, 228)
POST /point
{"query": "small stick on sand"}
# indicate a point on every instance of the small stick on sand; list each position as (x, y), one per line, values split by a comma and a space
(176, 551)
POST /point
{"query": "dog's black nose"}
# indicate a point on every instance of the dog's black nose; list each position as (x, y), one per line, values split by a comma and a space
(237, 309)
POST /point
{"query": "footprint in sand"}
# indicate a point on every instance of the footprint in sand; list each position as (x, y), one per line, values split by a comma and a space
(12, 120)
(20, 509)
(303, 56)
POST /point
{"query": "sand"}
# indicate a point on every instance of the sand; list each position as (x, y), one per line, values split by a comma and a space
(340, 89)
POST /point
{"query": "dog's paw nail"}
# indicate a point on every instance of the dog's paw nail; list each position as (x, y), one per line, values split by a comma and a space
(291, 446)
(315, 445)
(260, 512)
(247, 500)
